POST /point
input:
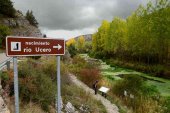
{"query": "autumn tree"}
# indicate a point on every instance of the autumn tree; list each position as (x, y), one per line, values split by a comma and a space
(117, 35)
(70, 42)
(143, 37)
(80, 44)
(71, 46)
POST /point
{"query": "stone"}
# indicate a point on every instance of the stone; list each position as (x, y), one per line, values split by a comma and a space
(20, 26)
(69, 108)
(84, 109)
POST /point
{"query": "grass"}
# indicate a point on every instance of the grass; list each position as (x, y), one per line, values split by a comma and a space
(78, 97)
(31, 108)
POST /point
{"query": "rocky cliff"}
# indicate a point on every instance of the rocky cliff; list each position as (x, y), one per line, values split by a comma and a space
(87, 37)
(20, 26)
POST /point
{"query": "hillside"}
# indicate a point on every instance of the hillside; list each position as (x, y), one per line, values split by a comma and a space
(87, 37)
(20, 26)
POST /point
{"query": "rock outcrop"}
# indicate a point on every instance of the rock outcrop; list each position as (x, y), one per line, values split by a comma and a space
(20, 26)
(87, 37)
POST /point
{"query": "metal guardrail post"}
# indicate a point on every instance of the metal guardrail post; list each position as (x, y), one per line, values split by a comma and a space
(8, 65)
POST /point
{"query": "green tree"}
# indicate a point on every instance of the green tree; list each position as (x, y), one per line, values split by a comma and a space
(31, 18)
(143, 37)
(88, 46)
(71, 46)
(117, 35)
(4, 31)
(94, 42)
(103, 34)
(72, 50)
(6, 8)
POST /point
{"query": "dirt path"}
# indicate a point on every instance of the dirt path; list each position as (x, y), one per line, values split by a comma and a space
(110, 108)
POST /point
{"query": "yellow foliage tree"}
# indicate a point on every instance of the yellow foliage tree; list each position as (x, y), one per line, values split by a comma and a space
(71, 42)
(80, 43)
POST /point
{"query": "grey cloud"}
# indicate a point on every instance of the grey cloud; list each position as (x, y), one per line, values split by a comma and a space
(76, 14)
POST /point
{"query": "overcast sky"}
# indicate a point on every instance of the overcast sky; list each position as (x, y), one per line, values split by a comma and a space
(70, 18)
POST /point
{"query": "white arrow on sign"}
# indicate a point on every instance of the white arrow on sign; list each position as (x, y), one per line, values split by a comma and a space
(58, 46)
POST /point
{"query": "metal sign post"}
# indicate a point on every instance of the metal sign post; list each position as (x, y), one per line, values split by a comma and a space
(16, 85)
(58, 99)
(28, 46)
(33, 46)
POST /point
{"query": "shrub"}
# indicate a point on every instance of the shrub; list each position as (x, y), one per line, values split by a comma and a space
(72, 50)
(4, 76)
(89, 76)
(77, 64)
(167, 105)
(4, 31)
(35, 85)
(49, 67)
(146, 98)
(77, 60)
(35, 57)
(127, 85)
(135, 85)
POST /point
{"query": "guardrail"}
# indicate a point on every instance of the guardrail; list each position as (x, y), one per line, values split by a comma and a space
(5, 63)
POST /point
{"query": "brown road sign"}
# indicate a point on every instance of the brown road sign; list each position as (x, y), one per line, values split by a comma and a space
(30, 46)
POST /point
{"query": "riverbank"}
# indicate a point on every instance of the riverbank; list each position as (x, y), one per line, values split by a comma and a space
(157, 70)
(113, 75)
(113, 72)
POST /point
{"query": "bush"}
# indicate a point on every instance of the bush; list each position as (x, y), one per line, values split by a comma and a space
(89, 76)
(88, 72)
(35, 85)
(135, 85)
(35, 57)
(72, 50)
(167, 105)
(4, 31)
(77, 64)
(4, 76)
(146, 98)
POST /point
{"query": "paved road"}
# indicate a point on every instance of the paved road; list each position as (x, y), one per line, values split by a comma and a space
(3, 60)
(110, 108)
(3, 57)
